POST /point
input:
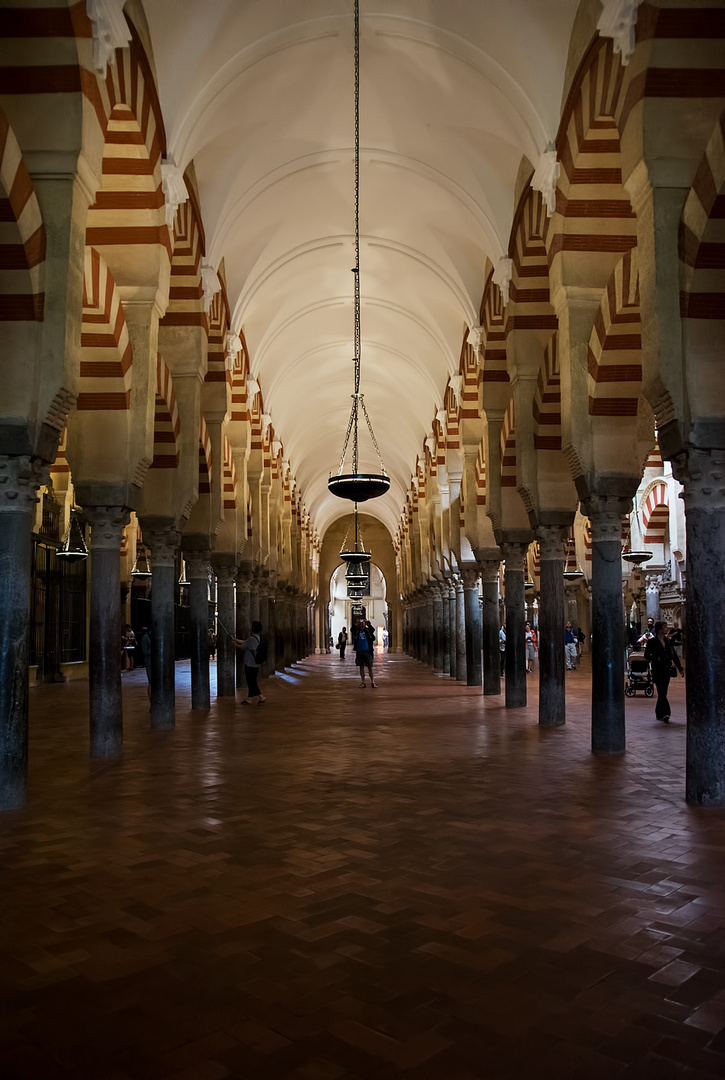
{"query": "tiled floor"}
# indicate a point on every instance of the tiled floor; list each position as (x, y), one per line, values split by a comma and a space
(345, 883)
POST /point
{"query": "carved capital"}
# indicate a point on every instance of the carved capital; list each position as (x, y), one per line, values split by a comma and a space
(107, 525)
(605, 513)
(20, 478)
(197, 565)
(552, 542)
(163, 544)
(470, 577)
(514, 552)
(702, 475)
(490, 569)
(225, 576)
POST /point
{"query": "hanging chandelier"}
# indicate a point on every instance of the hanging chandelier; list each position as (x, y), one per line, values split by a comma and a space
(142, 566)
(572, 569)
(357, 486)
(356, 553)
(74, 546)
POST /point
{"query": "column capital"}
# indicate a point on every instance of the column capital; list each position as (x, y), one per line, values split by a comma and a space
(552, 541)
(514, 553)
(489, 570)
(605, 513)
(20, 478)
(163, 542)
(702, 475)
(197, 564)
(226, 575)
(107, 524)
(470, 576)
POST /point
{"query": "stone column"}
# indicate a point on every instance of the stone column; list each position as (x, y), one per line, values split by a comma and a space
(104, 654)
(20, 478)
(514, 554)
(491, 627)
(270, 633)
(436, 603)
(254, 587)
(703, 475)
(460, 624)
(605, 513)
(243, 624)
(473, 626)
(226, 573)
(552, 693)
(445, 628)
(197, 569)
(452, 639)
(163, 542)
(653, 595)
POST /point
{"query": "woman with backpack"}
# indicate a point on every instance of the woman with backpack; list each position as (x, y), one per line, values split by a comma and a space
(253, 658)
(363, 646)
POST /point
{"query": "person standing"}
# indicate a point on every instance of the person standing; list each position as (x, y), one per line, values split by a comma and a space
(502, 649)
(342, 642)
(662, 656)
(530, 649)
(364, 652)
(570, 647)
(252, 661)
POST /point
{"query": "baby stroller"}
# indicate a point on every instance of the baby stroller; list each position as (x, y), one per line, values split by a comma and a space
(639, 677)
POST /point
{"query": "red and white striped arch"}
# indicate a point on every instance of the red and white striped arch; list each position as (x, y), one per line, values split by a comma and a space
(508, 448)
(547, 400)
(656, 514)
(106, 355)
(22, 235)
(596, 222)
(494, 330)
(166, 420)
(615, 363)
(218, 326)
(205, 463)
(230, 477)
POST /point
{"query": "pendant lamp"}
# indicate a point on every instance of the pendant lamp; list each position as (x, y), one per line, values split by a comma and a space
(572, 569)
(356, 553)
(637, 558)
(74, 546)
(142, 566)
(357, 486)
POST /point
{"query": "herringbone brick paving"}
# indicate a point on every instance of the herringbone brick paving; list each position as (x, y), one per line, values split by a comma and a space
(402, 882)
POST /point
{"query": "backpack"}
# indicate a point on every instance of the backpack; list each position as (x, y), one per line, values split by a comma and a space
(260, 654)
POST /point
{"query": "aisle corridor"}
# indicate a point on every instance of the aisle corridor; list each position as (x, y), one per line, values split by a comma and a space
(346, 884)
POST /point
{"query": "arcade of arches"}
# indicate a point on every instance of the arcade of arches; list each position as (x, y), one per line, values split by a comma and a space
(543, 312)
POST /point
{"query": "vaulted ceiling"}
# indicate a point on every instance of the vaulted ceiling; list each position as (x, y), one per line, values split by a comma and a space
(259, 95)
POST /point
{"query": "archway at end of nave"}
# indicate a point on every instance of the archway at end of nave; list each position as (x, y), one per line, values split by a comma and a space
(346, 611)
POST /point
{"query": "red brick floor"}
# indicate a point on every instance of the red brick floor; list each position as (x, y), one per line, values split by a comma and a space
(345, 883)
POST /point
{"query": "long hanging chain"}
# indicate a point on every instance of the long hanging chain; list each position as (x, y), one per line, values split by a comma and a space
(358, 402)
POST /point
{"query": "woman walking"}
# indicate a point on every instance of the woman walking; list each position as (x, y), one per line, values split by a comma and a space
(252, 661)
(662, 656)
(364, 652)
(342, 642)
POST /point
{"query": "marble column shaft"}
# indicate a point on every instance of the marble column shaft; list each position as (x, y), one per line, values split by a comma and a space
(608, 642)
(445, 629)
(474, 673)
(452, 639)
(243, 625)
(270, 632)
(20, 478)
(162, 670)
(197, 567)
(491, 620)
(514, 554)
(460, 620)
(703, 477)
(437, 628)
(104, 654)
(225, 649)
(552, 665)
